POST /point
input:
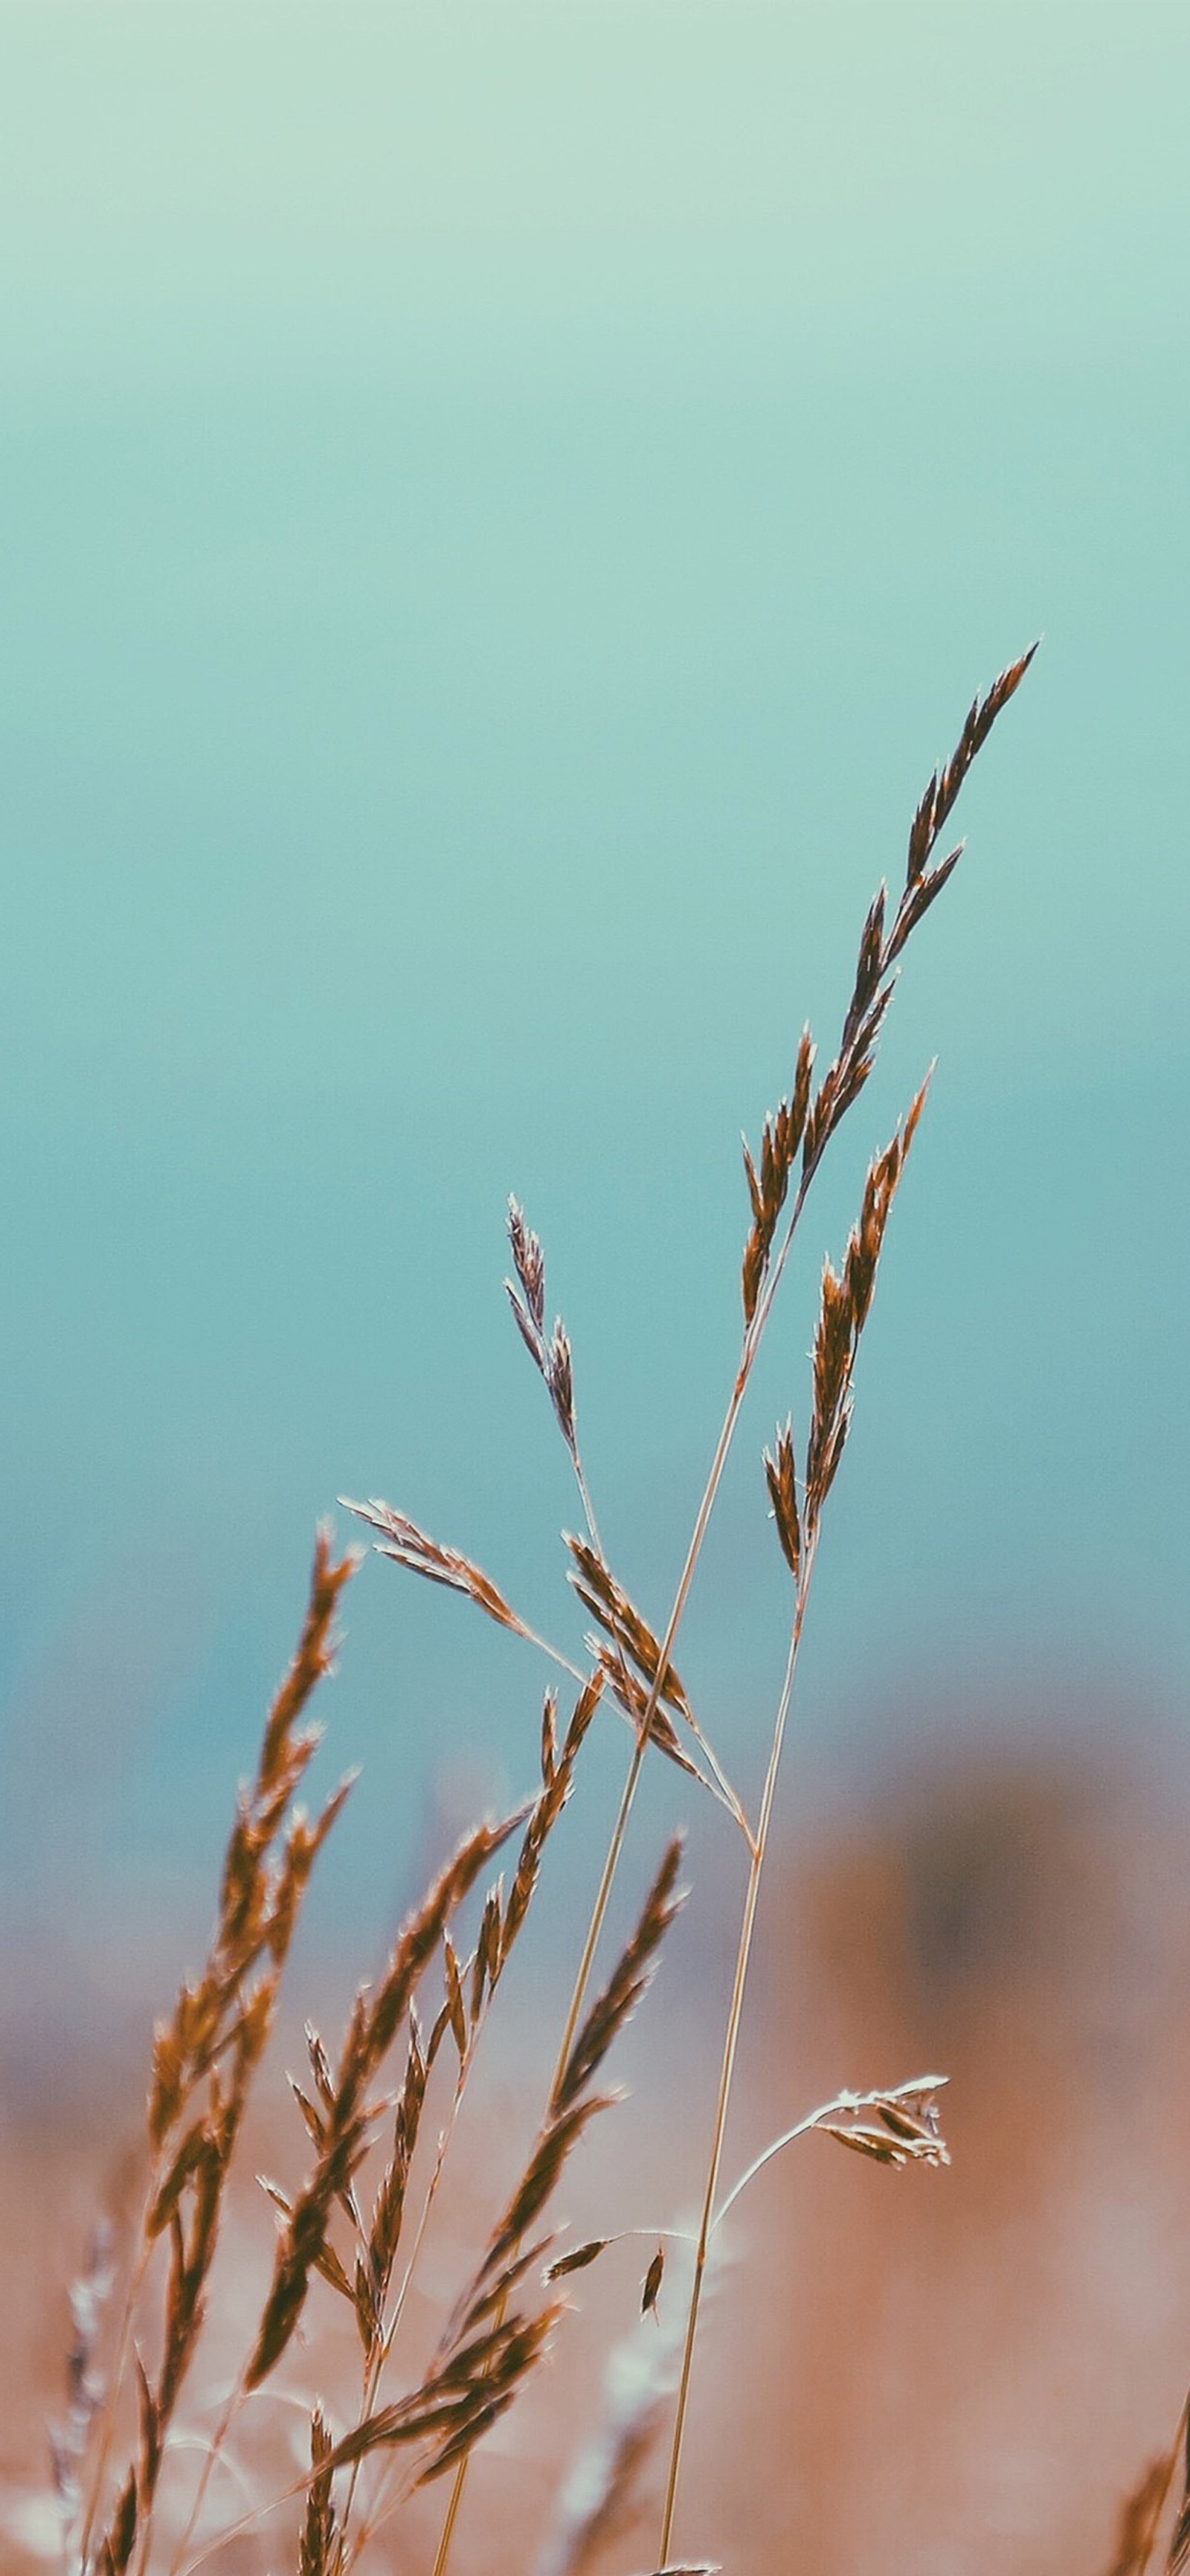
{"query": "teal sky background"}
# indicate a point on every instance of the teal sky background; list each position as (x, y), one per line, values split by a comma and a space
(500, 511)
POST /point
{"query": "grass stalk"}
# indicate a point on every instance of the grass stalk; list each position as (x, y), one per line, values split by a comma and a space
(727, 2069)
(206, 2054)
(627, 1801)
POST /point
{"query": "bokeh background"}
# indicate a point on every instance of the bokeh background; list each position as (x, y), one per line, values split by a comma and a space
(500, 509)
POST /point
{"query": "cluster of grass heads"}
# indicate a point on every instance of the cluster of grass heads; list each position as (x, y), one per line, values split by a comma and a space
(354, 2231)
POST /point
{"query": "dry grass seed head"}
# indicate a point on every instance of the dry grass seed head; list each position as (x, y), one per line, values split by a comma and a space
(651, 2284)
(939, 798)
(556, 2142)
(489, 1949)
(872, 990)
(117, 2546)
(559, 1377)
(318, 2547)
(549, 1737)
(780, 1467)
(423, 1930)
(628, 1659)
(844, 1307)
(260, 1894)
(388, 2211)
(910, 2130)
(557, 1779)
(781, 1139)
(407, 1545)
(529, 1263)
(607, 1600)
(219, 2029)
(467, 2389)
(348, 2126)
(628, 1983)
(579, 2258)
(527, 1300)
(636, 1702)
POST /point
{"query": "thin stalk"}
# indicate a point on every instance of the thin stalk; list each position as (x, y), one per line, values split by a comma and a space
(347, 2557)
(731, 2038)
(751, 1346)
(375, 2364)
(620, 1828)
(595, 1926)
(718, 1774)
(753, 1337)
(247, 2521)
(610, 1866)
(383, 2512)
(580, 1475)
(553, 1654)
(788, 2137)
(219, 2437)
(442, 2552)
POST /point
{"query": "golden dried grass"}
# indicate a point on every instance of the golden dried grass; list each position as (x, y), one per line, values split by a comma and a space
(207, 2054)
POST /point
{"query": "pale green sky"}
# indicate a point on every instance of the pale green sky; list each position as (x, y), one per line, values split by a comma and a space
(499, 511)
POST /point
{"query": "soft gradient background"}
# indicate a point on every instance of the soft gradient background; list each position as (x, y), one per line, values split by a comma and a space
(500, 509)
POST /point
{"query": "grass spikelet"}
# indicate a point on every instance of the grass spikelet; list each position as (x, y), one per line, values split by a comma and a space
(781, 1476)
(651, 1723)
(939, 798)
(629, 1981)
(260, 1892)
(384, 2234)
(600, 1593)
(846, 1300)
(579, 2258)
(407, 1545)
(552, 1355)
(555, 2144)
(780, 1145)
(468, 2387)
(558, 1782)
(348, 2128)
(643, 1683)
(529, 1263)
(318, 2531)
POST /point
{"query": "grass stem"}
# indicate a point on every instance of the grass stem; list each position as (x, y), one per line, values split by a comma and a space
(731, 2038)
